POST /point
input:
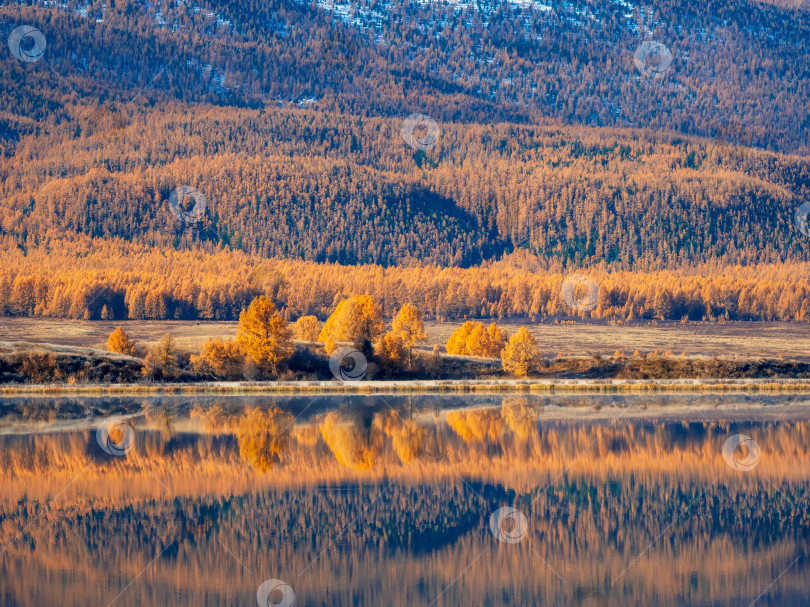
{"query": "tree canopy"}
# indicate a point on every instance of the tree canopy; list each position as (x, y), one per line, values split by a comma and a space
(521, 354)
(356, 320)
(263, 334)
(120, 342)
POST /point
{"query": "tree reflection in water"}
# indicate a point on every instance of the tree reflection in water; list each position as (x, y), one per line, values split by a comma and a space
(355, 506)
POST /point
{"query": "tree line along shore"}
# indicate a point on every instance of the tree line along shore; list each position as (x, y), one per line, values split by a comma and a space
(357, 343)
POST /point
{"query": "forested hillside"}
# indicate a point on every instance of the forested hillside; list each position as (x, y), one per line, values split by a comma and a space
(739, 69)
(551, 146)
(327, 187)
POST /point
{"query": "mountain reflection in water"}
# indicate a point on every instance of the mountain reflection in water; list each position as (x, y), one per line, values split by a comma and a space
(384, 503)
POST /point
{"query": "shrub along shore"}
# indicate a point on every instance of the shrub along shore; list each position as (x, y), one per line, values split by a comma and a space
(45, 369)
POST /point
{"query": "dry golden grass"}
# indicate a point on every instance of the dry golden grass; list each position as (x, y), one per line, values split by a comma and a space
(188, 335)
(743, 339)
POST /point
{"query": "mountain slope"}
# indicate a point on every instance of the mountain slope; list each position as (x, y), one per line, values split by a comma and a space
(739, 70)
(327, 187)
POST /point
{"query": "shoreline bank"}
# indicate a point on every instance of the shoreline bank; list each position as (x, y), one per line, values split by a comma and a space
(528, 386)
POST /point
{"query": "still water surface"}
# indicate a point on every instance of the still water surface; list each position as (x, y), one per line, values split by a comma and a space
(382, 500)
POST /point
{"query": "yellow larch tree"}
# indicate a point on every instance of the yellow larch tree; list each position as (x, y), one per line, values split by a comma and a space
(391, 351)
(521, 354)
(307, 328)
(161, 360)
(474, 339)
(409, 325)
(119, 342)
(457, 344)
(355, 320)
(222, 357)
(263, 334)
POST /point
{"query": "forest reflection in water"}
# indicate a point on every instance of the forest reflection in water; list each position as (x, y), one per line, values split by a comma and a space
(389, 501)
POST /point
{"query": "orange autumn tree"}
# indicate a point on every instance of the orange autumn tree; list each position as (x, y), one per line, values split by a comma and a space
(473, 339)
(222, 357)
(307, 328)
(119, 342)
(521, 354)
(409, 325)
(263, 334)
(391, 351)
(494, 341)
(161, 360)
(356, 320)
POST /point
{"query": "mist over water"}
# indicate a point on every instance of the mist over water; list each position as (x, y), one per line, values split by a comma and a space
(378, 500)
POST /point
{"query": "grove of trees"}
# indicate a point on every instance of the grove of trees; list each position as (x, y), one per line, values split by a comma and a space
(78, 278)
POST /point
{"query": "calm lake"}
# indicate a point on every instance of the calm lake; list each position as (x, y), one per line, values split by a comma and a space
(405, 500)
